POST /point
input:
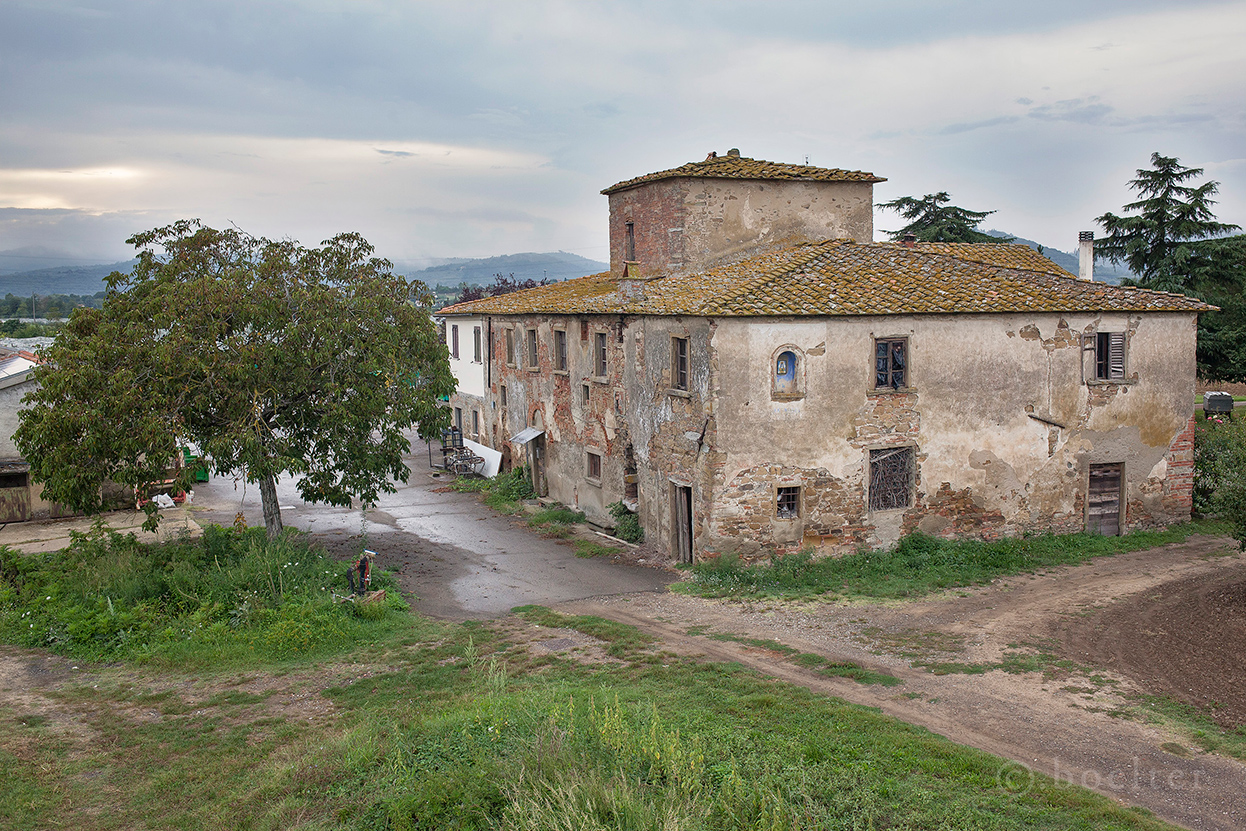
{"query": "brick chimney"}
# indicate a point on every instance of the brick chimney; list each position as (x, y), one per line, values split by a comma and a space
(908, 240)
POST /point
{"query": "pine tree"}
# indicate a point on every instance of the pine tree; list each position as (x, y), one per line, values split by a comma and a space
(933, 220)
(1155, 241)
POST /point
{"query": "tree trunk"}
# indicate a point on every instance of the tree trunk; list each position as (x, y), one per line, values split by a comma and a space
(272, 510)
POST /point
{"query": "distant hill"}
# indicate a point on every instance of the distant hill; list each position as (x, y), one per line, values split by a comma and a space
(1105, 272)
(65, 279)
(556, 265)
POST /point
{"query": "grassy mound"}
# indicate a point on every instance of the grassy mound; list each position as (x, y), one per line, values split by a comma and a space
(229, 595)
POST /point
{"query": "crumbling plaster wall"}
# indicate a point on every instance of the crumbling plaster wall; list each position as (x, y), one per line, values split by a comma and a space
(692, 223)
(1002, 423)
(553, 399)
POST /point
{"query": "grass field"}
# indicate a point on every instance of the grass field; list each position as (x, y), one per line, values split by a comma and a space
(416, 724)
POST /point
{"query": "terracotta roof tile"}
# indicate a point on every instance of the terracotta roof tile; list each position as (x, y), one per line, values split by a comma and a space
(840, 277)
(742, 167)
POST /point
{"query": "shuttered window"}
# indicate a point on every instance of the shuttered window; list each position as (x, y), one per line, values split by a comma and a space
(1109, 356)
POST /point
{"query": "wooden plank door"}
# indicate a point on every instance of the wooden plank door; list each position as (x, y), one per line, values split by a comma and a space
(1103, 508)
(683, 524)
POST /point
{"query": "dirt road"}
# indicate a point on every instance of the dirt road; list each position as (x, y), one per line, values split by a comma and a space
(1075, 722)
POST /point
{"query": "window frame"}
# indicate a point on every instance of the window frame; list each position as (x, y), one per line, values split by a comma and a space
(875, 500)
(458, 419)
(477, 352)
(532, 349)
(1111, 357)
(475, 422)
(510, 345)
(593, 459)
(601, 355)
(679, 364)
(560, 351)
(454, 341)
(787, 498)
(906, 368)
(502, 395)
(629, 242)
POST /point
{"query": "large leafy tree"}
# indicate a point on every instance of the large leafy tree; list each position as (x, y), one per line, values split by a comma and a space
(1218, 276)
(273, 358)
(932, 219)
(1170, 214)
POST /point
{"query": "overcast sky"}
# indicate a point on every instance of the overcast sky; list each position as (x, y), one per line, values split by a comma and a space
(461, 129)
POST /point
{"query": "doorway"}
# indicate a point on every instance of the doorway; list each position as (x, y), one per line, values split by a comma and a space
(681, 521)
(1103, 501)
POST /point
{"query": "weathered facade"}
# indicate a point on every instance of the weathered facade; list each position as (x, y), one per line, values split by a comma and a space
(837, 392)
(20, 498)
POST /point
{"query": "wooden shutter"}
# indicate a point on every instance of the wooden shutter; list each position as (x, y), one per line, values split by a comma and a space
(1103, 507)
(1116, 354)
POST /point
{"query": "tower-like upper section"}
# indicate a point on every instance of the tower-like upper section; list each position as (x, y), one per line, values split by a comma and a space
(729, 207)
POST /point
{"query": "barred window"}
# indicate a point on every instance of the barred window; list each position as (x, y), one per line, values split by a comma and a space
(788, 503)
(1109, 356)
(891, 360)
(891, 478)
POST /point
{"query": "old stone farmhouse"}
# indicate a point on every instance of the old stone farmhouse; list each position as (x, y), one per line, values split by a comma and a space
(754, 373)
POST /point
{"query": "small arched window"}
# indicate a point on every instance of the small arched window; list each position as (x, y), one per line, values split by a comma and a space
(785, 373)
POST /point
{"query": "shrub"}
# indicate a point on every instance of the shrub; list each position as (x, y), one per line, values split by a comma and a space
(626, 523)
(515, 486)
(1220, 473)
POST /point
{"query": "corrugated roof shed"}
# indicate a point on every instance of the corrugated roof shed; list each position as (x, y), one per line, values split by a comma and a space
(841, 277)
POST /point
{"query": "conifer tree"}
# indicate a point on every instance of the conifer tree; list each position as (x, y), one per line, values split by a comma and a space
(933, 220)
(1155, 241)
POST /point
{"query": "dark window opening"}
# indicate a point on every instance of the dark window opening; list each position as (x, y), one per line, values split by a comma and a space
(891, 478)
(631, 481)
(587, 390)
(594, 466)
(458, 419)
(476, 422)
(629, 243)
(560, 349)
(788, 503)
(13, 480)
(532, 362)
(679, 363)
(454, 342)
(502, 394)
(599, 355)
(476, 344)
(1109, 356)
(891, 363)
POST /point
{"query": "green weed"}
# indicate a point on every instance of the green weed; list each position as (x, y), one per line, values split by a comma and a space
(918, 565)
(588, 548)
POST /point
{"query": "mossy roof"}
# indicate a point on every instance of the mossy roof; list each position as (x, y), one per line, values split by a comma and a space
(742, 167)
(844, 278)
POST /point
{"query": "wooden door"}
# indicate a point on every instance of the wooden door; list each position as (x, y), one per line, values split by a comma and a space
(683, 524)
(1103, 508)
(14, 497)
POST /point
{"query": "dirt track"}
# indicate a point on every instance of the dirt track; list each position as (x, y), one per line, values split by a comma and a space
(1074, 723)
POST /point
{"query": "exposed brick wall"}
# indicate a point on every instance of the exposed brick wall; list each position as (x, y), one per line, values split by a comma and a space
(1179, 483)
